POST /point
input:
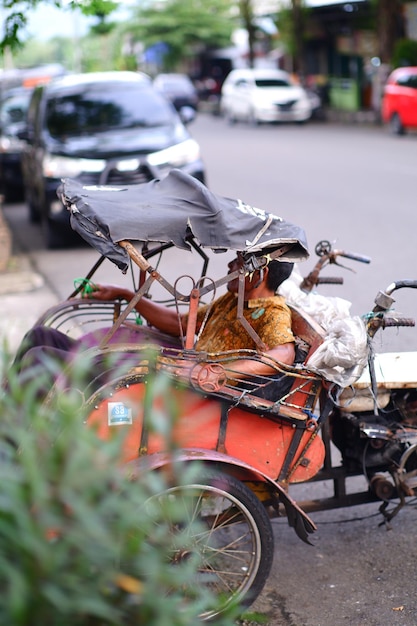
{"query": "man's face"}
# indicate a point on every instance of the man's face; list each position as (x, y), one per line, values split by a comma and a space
(234, 265)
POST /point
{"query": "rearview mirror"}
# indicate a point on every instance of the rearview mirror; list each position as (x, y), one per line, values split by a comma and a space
(187, 114)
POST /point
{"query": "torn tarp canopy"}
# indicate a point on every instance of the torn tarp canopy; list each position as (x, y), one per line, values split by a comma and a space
(170, 210)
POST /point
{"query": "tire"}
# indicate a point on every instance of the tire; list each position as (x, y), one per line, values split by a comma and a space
(53, 238)
(34, 215)
(235, 550)
(252, 119)
(229, 117)
(408, 468)
(396, 126)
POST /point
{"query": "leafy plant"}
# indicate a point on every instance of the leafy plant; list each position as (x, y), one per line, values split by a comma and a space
(79, 546)
(405, 53)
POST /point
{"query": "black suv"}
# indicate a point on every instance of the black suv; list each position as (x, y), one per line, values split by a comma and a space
(13, 107)
(106, 128)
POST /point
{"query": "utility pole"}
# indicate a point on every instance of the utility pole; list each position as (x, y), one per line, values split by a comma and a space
(390, 27)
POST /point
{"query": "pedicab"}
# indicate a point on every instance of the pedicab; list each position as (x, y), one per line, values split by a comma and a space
(249, 449)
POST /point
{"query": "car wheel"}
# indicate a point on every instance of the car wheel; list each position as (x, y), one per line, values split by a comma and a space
(12, 194)
(53, 238)
(396, 126)
(34, 216)
(229, 117)
(252, 118)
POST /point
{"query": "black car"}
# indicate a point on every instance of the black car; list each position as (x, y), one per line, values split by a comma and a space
(178, 89)
(13, 108)
(106, 128)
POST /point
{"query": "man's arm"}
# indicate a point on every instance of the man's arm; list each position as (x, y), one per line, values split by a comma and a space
(161, 317)
(284, 353)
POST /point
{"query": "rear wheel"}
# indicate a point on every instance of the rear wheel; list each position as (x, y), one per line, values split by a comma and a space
(408, 468)
(229, 532)
(396, 125)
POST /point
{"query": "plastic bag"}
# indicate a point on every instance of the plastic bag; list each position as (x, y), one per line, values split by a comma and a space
(343, 355)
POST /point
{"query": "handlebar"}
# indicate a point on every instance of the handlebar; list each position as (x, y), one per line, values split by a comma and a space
(400, 284)
(329, 280)
(385, 321)
(324, 249)
(380, 317)
(398, 321)
(352, 256)
(327, 255)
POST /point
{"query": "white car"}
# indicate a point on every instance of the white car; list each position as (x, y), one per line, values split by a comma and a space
(263, 95)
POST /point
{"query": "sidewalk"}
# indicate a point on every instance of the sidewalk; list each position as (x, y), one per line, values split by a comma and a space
(351, 117)
(24, 296)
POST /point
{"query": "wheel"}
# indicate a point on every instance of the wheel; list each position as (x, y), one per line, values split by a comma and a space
(396, 126)
(408, 467)
(229, 116)
(52, 235)
(230, 534)
(252, 118)
(34, 215)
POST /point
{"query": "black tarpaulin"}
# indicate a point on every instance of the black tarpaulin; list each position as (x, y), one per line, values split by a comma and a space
(169, 211)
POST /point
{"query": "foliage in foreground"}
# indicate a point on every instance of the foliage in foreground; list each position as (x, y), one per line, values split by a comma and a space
(76, 547)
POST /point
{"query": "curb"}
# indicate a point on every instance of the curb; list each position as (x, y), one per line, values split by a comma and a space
(18, 277)
(352, 117)
(24, 294)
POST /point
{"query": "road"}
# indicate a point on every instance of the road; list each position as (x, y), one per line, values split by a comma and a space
(354, 186)
(351, 185)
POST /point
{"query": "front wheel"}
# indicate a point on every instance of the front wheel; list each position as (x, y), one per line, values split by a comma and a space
(230, 534)
(253, 118)
(53, 234)
(396, 125)
(230, 117)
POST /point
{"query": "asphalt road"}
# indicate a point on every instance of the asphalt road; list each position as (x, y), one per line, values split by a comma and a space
(354, 186)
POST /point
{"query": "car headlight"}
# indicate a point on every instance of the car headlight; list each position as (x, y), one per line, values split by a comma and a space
(55, 166)
(10, 144)
(175, 156)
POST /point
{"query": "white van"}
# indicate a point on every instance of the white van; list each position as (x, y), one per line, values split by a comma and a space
(263, 95)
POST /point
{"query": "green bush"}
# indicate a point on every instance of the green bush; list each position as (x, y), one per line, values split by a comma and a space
(405, 53)
(78, 547)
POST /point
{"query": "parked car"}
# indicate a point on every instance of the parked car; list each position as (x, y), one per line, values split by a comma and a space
(399, 100)
(13, 108)
(99, 128)
(263, 95)
(178, 89)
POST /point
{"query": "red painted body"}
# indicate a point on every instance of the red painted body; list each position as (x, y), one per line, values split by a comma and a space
(260, 442)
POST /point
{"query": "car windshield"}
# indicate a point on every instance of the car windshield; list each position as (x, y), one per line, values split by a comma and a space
(176, 82)
(272, 82)
(13, 109)
(408, 80)
(103, 107)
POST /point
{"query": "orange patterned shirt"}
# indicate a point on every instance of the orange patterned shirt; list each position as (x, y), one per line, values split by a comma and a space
(269, 317)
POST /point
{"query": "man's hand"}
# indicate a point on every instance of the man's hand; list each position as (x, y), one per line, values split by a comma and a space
(108, 293)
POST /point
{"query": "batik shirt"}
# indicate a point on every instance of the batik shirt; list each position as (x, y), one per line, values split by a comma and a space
(269, 317)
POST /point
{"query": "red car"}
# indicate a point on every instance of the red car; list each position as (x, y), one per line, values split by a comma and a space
(399, 102)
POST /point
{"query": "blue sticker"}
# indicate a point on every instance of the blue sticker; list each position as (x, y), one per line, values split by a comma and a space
(118, 414)
(257, 314)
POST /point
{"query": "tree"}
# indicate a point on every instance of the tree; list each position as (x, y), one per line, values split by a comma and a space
(390, 26)
(247, 16)
(178, 29)
(292, 20)
(16, 19)
(83, 543)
